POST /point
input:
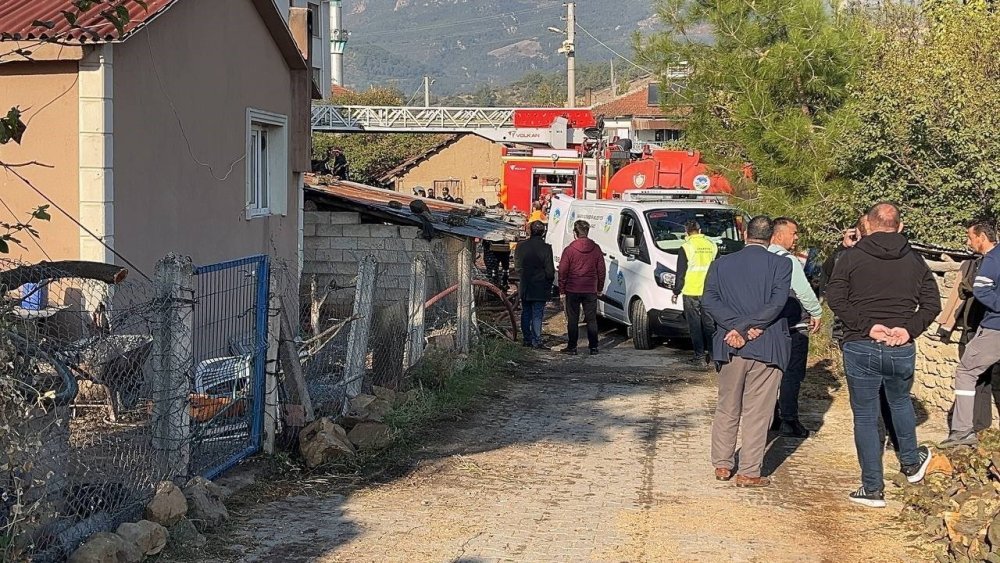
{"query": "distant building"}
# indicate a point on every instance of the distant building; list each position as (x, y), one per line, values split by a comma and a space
(317, 25)
(637, 114)
(468, 165)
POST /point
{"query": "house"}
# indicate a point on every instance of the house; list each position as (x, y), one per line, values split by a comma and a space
(187, 133)
(637, 114)
(468, 165)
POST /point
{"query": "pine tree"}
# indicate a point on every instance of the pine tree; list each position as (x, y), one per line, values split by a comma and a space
(767, 87)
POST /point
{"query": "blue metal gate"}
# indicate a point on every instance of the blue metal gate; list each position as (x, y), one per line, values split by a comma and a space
(230, 348)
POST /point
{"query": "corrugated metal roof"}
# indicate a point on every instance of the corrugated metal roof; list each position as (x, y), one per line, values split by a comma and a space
(18, 21)
(451, 218)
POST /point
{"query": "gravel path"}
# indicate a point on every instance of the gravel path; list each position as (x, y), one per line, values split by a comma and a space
(597, 459)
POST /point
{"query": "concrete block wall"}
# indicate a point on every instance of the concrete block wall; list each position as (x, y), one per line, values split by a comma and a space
(334, 242)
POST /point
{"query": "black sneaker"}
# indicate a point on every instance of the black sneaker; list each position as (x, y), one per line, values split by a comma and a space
(914, 473)
(570, 351)
(958, 439)
(793, 429)
(873, 499)
(594, 351)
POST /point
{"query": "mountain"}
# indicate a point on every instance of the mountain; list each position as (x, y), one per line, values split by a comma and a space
(464, 44)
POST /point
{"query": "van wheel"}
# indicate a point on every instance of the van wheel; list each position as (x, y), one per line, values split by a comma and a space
(641, 338)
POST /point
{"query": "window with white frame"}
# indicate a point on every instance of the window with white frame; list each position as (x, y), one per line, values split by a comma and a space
(267, 164)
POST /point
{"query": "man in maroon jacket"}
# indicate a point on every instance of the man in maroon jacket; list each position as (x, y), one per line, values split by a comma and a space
(581, 280)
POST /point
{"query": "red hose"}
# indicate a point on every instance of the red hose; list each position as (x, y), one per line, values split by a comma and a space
(496, 290)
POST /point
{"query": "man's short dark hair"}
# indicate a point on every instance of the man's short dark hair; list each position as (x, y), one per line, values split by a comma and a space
(692, 227)
(581, 228)
(985, 229)
(883, 216)
(782, 221)
(760, 228)
(537, 228)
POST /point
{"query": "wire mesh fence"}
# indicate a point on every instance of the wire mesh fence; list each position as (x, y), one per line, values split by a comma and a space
(111, 386)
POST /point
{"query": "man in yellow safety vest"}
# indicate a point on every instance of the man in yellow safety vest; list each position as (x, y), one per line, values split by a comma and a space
(696, 255)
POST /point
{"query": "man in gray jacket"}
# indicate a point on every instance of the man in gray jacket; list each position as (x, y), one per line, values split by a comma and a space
(803, 313)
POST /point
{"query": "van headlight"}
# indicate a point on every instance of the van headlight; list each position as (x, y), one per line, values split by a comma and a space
(665, 277)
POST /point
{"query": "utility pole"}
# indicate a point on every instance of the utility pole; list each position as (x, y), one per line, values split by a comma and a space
(571, 54)
(427, 91)
(614, 86)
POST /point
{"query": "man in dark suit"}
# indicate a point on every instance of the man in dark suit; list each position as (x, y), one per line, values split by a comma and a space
(745, 293)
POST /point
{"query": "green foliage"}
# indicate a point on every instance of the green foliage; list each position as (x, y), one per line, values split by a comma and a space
(769, 90)
(371, 155)
(927, 132)
(11, 127)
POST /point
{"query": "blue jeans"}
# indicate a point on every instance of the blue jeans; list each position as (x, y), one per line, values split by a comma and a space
(869, 366)
(531, 321)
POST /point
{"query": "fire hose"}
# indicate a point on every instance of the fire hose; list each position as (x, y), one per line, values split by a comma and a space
(493, 289)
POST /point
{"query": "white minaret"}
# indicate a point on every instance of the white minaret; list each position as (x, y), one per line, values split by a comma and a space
(338, 41)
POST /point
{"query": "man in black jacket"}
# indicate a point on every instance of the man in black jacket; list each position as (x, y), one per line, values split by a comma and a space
(885, 296)
(533, 261)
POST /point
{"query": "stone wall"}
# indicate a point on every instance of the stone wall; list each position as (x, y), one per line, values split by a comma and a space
(937, 358)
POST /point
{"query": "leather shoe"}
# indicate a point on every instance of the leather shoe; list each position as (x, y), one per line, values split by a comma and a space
(723, 474)
(793, 429)
(752, 482)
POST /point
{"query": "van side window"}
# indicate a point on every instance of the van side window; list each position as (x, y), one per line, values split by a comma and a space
(630, 227)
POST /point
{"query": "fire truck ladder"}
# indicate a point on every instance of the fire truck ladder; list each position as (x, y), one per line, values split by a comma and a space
(495, 124)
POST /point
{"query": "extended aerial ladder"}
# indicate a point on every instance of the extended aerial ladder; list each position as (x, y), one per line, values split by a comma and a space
(548, 127)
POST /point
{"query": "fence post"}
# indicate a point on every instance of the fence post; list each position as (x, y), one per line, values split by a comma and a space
(415, 328)
(464, 300)
(173, 358)
(271, 365)
(357, 341)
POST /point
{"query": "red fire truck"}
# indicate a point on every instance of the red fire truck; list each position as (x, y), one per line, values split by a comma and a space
(586, 172)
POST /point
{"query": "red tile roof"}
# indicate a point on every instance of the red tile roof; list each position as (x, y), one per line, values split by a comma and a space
(18, 21)
(633, 104)
(338, 90)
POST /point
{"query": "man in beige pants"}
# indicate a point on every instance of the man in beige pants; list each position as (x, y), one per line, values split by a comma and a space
(745, 293)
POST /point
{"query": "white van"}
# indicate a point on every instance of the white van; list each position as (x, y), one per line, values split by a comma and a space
(641, 236)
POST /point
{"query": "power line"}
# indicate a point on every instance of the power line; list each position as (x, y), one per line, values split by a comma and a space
(619, 55)
(76, 221)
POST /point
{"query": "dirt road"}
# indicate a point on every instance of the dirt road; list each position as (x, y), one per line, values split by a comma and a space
(597, 459)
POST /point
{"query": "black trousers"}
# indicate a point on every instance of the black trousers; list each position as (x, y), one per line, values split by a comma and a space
(987, 393)
(589, 303)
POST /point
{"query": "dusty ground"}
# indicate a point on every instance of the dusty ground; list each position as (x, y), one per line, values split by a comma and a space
(597, 459)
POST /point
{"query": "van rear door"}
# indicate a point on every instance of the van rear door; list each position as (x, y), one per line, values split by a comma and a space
(559, 225)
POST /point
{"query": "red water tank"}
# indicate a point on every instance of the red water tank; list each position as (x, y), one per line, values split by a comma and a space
(668, 169)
